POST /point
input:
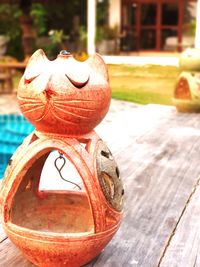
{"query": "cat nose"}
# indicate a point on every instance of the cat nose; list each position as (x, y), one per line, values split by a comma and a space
(48, 89)
(49, 93)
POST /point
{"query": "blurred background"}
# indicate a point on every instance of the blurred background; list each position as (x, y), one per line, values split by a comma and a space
(122, 26)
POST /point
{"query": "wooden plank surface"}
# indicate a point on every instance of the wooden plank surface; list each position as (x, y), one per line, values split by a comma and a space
(184, 247)
(157, 150)
(3, 236)
(158, 159)
(10, 256)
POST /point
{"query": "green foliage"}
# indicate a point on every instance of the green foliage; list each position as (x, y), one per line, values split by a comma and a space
(9, 20)
(57, 36)
(15, 48)
(101, 19)
(55, 43)
(102, 12)
(39, 16)
(60, 14)
(9, 26)
(189, 18)
(106, 33)
(83, 34)
(142, 97)
(190, 29)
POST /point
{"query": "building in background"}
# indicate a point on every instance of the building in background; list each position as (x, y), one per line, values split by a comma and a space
(153, 25)
(105, 26)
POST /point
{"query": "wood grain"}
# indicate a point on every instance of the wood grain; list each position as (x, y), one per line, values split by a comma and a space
(184, 246)
(157, 151)
(10, 256)
(159, 166)
(3, 235)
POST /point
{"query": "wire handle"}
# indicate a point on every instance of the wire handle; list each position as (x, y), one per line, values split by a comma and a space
(59, 169)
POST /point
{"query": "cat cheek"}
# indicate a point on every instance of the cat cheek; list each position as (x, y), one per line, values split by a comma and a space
(38, 85)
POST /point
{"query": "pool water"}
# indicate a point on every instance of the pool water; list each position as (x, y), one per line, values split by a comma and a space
(13, 129)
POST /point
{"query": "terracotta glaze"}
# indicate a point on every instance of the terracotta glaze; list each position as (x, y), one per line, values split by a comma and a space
(64, 96)
(186, 96)
(65, 100)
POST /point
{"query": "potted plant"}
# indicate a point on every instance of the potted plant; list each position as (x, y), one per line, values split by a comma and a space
(107, 40)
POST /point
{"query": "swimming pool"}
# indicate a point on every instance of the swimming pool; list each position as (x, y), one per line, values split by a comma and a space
(13, 129)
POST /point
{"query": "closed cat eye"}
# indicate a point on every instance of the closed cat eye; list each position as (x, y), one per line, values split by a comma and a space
(29, 80)
(77, 84)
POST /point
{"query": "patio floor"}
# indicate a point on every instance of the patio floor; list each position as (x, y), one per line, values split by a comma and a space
(157, 150)
(144, 58)
(8, 104)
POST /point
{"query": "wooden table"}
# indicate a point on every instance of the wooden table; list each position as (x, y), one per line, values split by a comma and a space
(6, 73)
(158, 152)
(13, 65)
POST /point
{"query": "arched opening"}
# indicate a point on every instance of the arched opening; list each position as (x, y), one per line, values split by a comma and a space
(62, 207)
(59, 175)
(182, 90)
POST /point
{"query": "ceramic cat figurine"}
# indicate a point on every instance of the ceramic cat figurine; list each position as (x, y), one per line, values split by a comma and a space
(67, 225)
(64, 96)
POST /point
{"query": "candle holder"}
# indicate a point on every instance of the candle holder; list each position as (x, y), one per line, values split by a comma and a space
(187, 89)
(71, 218)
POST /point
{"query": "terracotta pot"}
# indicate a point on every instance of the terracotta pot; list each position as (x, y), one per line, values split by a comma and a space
(62, 227)
(186, 92)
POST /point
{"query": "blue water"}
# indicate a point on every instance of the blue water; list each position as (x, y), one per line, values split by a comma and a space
(13, 129)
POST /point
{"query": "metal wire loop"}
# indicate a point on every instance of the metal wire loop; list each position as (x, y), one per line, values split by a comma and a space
(59, 169)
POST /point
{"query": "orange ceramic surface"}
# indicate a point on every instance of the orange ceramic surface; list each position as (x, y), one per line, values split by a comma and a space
(67, 227)
(64, 96)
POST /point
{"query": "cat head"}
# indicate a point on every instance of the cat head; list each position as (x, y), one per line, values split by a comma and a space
(64, 96)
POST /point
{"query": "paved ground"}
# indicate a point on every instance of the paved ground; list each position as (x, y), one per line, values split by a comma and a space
(8, 104)
(145, 58)
(137, 60)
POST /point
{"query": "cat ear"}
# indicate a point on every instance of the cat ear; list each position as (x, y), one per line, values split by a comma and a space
(98, 65)
(35, 66)
(77, 72)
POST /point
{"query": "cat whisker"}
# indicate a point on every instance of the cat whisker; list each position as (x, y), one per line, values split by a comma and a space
(73, 100)
(46, 110)
(64, 120)
(70, 113)
(30, 99)
(65, 105)
(27, 105)
(32, 109)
